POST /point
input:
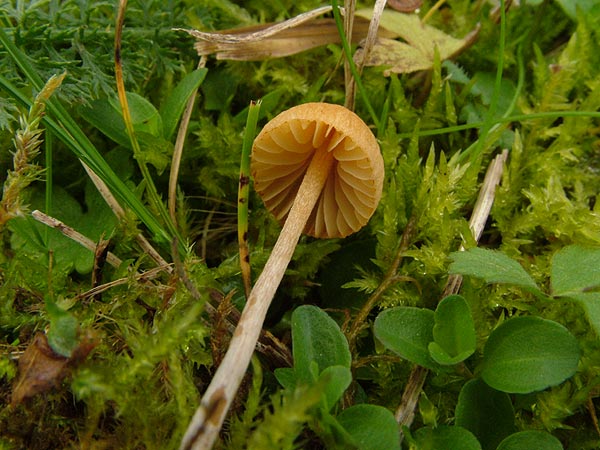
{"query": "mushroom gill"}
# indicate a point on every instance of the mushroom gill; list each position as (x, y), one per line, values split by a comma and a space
(284, 149)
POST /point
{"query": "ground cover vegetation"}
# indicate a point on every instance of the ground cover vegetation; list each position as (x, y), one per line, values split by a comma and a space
(439, 325)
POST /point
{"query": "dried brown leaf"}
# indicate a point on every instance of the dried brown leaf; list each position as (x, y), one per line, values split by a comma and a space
(42, 369)
(305, 32)
(275, 40)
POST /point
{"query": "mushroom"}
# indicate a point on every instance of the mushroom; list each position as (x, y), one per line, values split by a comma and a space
(318, 169)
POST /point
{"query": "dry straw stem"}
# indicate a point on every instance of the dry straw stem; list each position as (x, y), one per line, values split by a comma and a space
(178, 149)
(74, 235)
(481, 211)
(363, 57)
(349, 18)
(309, 155)
(116, 208)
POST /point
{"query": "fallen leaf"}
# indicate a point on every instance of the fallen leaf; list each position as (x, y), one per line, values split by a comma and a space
(418, 52)
(42, 369)
(306, 31)
(276, 40)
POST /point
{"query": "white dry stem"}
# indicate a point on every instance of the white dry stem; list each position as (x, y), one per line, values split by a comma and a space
(487, 193)
(206, 423)
(178, 149)
(116, 208)
(144, 276)
(74, 235)
(367, 47)
(372, 33)
(406, 410)
(349, 9)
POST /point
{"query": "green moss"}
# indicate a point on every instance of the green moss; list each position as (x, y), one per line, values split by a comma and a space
(152, 338)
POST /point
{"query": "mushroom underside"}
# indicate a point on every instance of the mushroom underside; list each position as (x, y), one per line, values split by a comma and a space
(351, 192)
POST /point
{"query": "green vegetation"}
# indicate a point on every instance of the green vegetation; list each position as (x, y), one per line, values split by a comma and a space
(112, 347)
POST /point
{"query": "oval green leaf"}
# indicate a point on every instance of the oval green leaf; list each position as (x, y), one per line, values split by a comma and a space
(528, 354)
(453, 332)
(372, 427)
(527, 440)
(337, 379)
(491, 265)
(448, 438)
(567, 281)
(317, 339)
(485, 412)
(172, 109)
(407, 331)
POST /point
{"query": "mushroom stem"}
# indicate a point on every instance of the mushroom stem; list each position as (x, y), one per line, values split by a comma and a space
(206, 423)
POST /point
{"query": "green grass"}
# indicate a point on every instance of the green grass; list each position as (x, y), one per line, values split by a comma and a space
(140, 352)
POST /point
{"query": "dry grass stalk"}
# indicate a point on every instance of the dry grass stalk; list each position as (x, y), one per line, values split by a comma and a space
(178, 149)
(118, 210)
(74, 235)
(361, 58)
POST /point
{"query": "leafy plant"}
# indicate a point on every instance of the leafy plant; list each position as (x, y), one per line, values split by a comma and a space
(364, 333)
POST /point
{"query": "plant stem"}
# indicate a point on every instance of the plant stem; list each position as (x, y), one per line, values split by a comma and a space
(178, 149)
(348, 54)
(209, 416)
(244, 194)
(153, 195)
(390, 277)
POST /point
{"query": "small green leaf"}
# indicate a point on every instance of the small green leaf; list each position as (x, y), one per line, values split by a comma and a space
(591, 304)
(372, 427)
(407, 331)
(317, 339)
(575, 275)
(528, 354)
(172, 109)
(337, 379)
(144, 116)
(453, 332)
(575, 269)
(286, 376)
(491, 265)
(102, 115)
(106, 115)
(62, 334)
(445, 437)
(485, 412)
(571, 6)
(530, 439)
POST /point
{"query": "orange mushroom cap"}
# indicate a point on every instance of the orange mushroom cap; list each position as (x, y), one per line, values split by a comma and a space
(284, 149)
